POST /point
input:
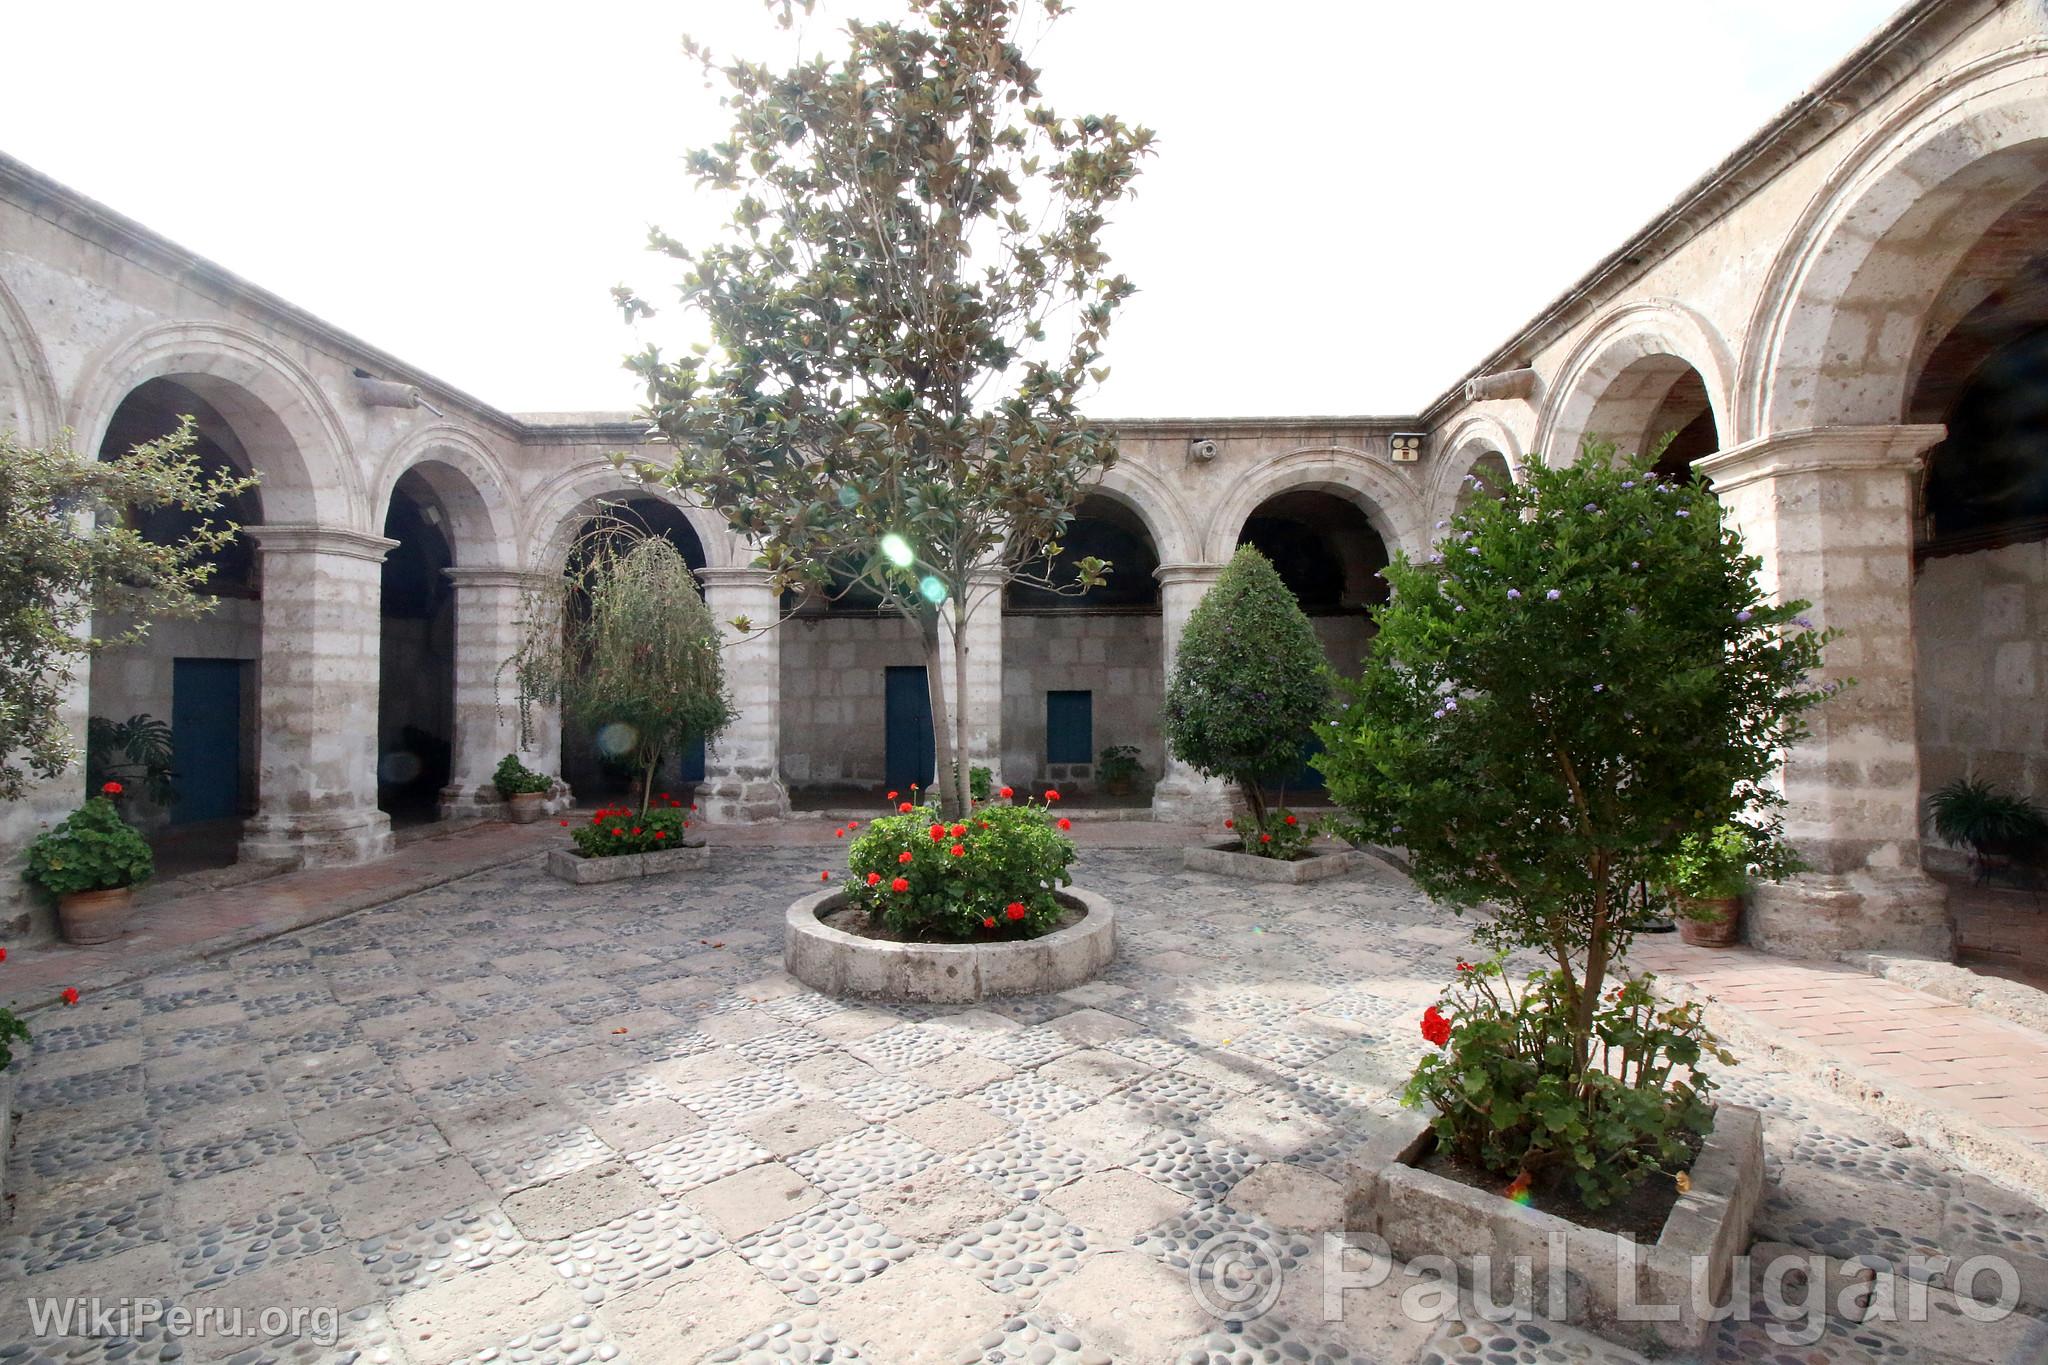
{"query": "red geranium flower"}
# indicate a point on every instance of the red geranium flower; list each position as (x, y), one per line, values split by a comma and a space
(1230, 824)
(1435, 1028)
(904, 856)
(661, 834)
(1015, 909)
(937, 832)
(1065, 823)
(111, 788)
(959, 830)
(693, 805)
(874, 879)
(1051, 795)
(824, 876)
(3, 954)
(663, 796)
(988, 921)
(1290, 819)
(899, 885)
(904, 809)
(892, 796)
(71, 995)
(1265, 838)
(1464, 966)
(1006, 793)
(839, 834)
(958, 851)
(636, 829)
(853, 824)
(565, 824)
(618, 833)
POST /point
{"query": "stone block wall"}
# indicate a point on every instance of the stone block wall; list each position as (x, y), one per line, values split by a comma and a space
(1114, 655)
(833, 670)
(1981, 653)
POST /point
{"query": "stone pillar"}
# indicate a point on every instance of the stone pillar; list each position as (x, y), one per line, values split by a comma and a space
(984, 674)
(742, 772)
(1830, 511)
(1184, 794)
(491, 607)
(318, 724)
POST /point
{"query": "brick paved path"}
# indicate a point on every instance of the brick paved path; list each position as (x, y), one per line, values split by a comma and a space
(507, 1119)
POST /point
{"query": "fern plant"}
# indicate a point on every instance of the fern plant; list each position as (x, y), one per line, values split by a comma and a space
(134, 750)
(1985, 818)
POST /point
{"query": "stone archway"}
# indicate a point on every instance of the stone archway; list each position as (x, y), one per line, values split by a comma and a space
(1651, 371)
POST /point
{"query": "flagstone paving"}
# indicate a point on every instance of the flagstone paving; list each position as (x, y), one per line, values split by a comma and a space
(508, 1119)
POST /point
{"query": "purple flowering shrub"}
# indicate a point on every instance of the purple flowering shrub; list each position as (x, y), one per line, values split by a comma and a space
(1584, 673)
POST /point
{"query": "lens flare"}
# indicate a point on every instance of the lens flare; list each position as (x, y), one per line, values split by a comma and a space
(897, 550)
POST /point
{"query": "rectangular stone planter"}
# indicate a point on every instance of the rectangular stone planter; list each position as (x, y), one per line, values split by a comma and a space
(6, 1126)
(1223, 860)
(1648, 1297)
(572, 866)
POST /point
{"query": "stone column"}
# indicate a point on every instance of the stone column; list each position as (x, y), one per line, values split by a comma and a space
(1184, 794)
(984, 673)
(321, 642)
(742, 771)
(491, 607)
(1830, 511)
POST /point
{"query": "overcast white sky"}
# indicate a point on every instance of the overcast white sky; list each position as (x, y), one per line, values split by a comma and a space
(1353, 202)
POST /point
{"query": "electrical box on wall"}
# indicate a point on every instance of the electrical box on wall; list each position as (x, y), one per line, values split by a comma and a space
(1405, 447)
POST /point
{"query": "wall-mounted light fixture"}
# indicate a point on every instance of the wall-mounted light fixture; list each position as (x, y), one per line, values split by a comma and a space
(1405, 447)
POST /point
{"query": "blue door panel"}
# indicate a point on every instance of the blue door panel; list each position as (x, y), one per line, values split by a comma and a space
(909, 754)
(206, 739)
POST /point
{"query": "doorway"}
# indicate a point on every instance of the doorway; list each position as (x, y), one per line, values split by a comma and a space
(910, 757)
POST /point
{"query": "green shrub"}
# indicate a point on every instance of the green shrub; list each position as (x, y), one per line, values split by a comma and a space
(1720, 864)
(12, 1031)
(1509, 1099)
(93, 850)
(513, 778)
(614, 831)
(1981, 816)
(1249, 682)
(1118, 763)
(1281, 835)
(980, 783)
(991, 875)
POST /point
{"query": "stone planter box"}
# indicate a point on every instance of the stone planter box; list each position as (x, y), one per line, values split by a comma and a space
(6, 1124)
(1224, 860)
(1608, 1284)
(572, 866)
(843, 964)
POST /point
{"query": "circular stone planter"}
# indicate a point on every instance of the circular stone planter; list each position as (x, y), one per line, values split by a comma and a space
(840, 964)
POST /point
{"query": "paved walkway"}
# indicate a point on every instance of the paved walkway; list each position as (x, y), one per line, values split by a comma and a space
(501, 1118)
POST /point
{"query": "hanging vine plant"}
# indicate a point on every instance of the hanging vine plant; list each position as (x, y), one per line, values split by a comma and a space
(626, 646)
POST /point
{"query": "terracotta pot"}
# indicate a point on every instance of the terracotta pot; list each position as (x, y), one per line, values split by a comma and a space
(94, 916)
(527, 807)
(1723, 929)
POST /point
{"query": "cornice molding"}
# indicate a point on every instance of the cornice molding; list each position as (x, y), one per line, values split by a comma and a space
(1816, 450)
(290, 539)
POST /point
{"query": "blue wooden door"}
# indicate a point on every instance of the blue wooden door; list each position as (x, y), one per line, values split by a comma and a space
(206, 739)
(693, 761)
(1070, 727)
(908, 753)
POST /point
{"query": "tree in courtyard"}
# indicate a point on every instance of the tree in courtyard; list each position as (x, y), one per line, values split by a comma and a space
(1249, 683)
(908, 305)
(625, 643)
(1583, 674)
(71, 557)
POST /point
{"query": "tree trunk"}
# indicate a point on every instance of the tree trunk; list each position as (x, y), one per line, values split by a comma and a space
(1255, 802)
(962, 758)
(647, 781)
(948, 779)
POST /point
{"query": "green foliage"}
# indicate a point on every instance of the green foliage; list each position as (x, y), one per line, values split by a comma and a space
(615, 830)
(989, 875)
(1720, 863)
(1973, 813)
(1249, 682)
(513, 778)
(1511, 1096)
(626, 641)
(1279, 833)
(910, 300)
(1582, 674)
(1118, 763)
(94, 849)
(70, 557)
(12, 1031)
(980, 782)
(135, 750)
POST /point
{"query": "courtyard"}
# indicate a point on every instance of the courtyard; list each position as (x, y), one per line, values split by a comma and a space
(504, 1119)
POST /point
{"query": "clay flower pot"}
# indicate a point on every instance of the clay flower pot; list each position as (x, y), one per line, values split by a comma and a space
(1723, 927)
(94, 916)
(527, 807)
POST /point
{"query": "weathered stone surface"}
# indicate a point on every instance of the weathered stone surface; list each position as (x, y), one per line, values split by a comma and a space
(843, 964)
(1321, 864)
(581, 871)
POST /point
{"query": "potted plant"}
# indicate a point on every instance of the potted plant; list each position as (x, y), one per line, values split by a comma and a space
(524, 791)
(91, 863)
(1997, 826)
(1707, 877)
(952, 911)
(1118, 770)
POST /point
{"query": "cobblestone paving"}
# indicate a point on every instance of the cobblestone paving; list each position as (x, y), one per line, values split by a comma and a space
(510, 1120)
